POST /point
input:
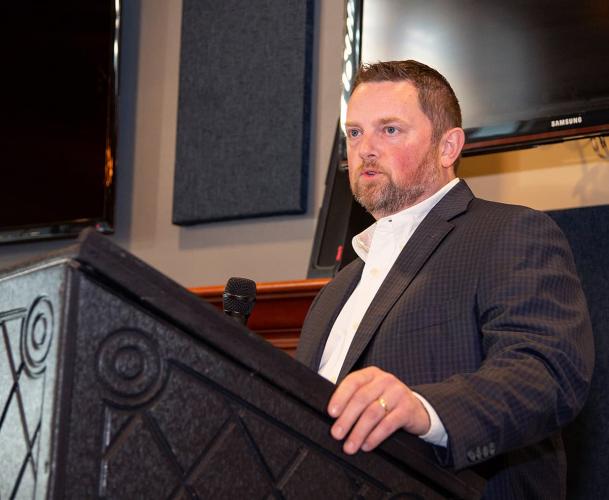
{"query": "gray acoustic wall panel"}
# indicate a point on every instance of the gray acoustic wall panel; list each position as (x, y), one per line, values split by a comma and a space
(244, 109)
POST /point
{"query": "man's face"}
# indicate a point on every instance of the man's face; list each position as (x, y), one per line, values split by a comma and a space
(392, 161)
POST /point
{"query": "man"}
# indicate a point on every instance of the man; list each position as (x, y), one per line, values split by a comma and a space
(463, 321)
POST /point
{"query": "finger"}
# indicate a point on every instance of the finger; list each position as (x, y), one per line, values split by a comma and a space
(393, 392)
(369, 420)
(357, 405)
(385, 428)
(347, 388)
(409, 414)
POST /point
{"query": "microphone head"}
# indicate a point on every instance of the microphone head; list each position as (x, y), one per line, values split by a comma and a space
(241, 286)
(239, 296)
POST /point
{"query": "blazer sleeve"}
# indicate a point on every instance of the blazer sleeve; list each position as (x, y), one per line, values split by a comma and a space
(537, 346)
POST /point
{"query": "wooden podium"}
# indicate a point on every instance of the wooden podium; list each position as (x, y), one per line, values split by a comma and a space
(117, 383)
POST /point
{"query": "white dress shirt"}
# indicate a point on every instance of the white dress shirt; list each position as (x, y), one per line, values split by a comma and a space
(379, 247)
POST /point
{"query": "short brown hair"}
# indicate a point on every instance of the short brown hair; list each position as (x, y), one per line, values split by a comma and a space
(436, 97)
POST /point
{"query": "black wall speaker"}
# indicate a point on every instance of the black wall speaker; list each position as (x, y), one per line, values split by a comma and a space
(586, 439)
(244, 109)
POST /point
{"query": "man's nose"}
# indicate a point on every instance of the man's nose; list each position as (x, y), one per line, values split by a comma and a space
(368, 149)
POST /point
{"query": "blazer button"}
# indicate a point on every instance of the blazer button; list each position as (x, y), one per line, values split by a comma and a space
(471, 456)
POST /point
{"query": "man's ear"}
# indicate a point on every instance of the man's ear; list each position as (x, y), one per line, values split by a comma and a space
(451, 145)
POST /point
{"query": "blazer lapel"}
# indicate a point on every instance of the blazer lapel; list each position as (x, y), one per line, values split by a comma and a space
(321, 317)
(417, 251)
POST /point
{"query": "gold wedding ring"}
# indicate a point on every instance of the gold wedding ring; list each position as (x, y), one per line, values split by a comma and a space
(383, 403)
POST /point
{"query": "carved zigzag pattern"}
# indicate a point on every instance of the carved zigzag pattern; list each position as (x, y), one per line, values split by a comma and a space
(20, 416)
(269, 457)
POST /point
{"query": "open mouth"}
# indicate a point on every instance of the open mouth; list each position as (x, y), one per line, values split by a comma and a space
(370, 173)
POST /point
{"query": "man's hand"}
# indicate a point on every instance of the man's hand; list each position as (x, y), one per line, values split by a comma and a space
(370, 405)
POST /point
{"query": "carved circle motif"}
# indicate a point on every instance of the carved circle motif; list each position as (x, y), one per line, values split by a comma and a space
(130, 368)
(37, 336)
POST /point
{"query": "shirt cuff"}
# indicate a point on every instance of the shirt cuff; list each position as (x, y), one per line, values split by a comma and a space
(436, 433)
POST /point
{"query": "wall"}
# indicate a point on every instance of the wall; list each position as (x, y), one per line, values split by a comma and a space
(564, 175)
(274, 248)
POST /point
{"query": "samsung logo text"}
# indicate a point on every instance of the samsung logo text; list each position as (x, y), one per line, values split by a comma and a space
(573, 120)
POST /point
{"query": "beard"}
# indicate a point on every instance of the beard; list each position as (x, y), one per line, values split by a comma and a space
(384, 196)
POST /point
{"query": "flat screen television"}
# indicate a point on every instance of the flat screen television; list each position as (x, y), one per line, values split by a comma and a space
(59, 111)
(526, 72)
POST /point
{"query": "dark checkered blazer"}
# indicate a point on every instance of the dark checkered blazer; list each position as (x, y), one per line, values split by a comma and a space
(483, 314)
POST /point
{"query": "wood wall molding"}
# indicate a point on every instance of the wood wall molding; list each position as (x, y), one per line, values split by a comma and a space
(280, 309)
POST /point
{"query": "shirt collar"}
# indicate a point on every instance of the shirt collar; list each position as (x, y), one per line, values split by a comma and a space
(395, 223)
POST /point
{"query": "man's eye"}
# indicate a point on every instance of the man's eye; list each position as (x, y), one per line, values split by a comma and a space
(353, 133)
(391, 130)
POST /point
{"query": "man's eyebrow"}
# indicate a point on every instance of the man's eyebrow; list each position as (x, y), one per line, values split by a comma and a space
(390, 119)
(380, 121)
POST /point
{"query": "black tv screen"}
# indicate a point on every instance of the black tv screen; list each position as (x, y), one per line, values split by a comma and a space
(525, 71)
(57, 137)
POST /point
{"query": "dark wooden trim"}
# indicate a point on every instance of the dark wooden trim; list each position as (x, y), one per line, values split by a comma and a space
(281, 307)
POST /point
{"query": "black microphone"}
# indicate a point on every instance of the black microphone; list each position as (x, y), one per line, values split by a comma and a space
(239, 298)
